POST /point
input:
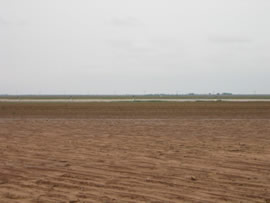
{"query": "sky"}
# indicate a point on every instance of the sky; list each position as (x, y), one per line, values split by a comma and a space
(134, 47)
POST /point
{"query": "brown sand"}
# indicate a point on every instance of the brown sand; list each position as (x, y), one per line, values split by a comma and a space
(135, 152)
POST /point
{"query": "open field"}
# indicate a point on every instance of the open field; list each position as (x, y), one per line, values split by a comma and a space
(135, 152)
(129, 100)
(136, 97)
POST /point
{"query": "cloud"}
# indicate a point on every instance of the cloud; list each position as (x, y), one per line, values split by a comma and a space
(229, 39)
(131, 46)
(125, 22)
(3, 21)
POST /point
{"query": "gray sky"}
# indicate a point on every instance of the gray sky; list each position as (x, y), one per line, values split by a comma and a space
(128, 46)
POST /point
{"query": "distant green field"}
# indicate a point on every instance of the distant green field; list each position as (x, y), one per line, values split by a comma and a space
(39, 97)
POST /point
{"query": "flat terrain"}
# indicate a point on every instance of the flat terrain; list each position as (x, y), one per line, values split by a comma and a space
(119, 97)
(135, 152)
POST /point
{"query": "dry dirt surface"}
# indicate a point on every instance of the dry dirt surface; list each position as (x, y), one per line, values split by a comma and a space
(135, 152)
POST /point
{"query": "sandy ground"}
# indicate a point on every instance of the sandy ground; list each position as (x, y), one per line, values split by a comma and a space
(135, 152)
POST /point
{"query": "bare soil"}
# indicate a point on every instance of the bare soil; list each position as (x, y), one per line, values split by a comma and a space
(135, 152)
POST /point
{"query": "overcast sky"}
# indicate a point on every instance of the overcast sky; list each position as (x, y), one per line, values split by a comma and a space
(134, 46)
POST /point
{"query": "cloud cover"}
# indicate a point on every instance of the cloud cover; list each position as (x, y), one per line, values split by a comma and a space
(124, 46)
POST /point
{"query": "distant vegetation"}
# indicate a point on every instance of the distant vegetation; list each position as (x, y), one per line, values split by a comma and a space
(146, 96)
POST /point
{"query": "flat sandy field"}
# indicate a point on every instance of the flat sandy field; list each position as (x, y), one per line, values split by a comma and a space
(135, 152)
